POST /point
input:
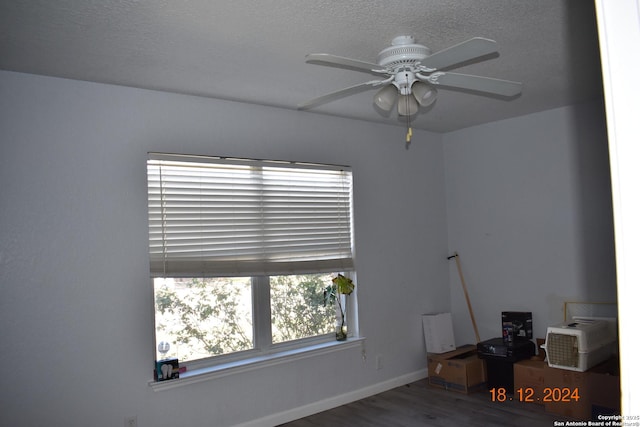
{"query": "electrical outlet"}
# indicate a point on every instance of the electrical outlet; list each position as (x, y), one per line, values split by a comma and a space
(131, 422)
(379, 362)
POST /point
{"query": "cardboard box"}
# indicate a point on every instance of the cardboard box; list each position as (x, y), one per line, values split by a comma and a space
(598, 388)
(438, 332)
(460, 370)
(555, 380)
(529, 374)
(603, 383)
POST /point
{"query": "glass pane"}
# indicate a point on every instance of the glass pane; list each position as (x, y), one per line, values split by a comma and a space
(201, 318)
(298, 309)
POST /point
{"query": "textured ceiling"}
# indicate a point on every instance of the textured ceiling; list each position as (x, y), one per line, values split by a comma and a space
(253, 51)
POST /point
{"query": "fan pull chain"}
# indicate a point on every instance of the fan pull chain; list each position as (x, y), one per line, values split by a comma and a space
(409, 130)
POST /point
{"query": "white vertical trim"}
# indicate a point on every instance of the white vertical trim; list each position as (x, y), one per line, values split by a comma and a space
(619, 32)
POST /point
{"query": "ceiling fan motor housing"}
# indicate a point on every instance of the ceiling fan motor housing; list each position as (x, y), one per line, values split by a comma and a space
(403, 53)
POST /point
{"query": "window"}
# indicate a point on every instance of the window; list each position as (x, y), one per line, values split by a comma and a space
(241, 252)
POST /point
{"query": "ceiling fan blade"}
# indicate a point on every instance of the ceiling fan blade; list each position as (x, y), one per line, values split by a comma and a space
(342, 62)
(475, 83)
(341, 93)
(461, 52)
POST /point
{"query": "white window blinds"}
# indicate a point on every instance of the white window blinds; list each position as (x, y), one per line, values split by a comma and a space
(236, 217)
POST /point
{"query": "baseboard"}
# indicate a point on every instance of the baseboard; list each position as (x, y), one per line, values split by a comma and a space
(335, 401)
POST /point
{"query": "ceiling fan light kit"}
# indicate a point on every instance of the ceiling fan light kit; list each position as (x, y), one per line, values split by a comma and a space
(425, 94)
(407, 105)
(385, 98)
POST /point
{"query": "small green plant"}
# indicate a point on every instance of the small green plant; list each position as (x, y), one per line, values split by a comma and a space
(340, 285)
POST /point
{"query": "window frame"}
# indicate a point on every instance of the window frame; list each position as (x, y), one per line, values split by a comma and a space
(262, 334)
(264, 349)
(268, 349)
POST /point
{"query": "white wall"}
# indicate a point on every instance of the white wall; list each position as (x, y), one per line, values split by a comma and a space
(76, 304)
(529, 212)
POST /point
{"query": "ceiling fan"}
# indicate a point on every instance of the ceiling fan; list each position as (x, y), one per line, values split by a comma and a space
(410, 74)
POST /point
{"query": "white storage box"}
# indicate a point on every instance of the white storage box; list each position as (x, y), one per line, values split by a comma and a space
(579, 345)
(438, 332)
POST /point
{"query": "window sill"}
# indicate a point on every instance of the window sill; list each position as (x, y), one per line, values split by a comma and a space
(218, 371)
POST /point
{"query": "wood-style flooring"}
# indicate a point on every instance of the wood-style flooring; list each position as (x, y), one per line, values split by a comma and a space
(420, 405)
